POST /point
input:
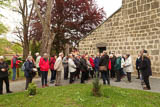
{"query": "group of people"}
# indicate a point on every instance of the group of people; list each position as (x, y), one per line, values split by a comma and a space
(83, 67)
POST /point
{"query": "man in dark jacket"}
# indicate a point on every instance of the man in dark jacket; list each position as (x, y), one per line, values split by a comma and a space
(78, 65)
(4, 75)
(146, 70)
(103, 65)
(138, 61)
(83, 68)
(96, 62)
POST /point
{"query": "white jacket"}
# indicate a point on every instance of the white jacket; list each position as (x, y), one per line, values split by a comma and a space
(58, 66)
(128, 66)
(71, 65)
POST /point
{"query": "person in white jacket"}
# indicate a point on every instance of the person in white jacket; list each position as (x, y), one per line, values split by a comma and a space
(128, 66)
(72, 68)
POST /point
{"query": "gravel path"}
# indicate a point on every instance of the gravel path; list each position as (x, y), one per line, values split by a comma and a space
(18, 86)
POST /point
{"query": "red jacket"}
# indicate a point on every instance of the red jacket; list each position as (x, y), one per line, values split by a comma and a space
(16, 64)
(44, 65)
(109, 65)
(91, 62)
(52, 62)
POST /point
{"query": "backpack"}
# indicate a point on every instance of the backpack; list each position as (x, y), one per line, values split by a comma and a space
(23, 66)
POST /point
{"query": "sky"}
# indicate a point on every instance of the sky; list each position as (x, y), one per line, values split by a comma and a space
(12, 19)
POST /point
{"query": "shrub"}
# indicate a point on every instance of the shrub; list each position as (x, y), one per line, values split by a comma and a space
(32, 89)
(96, 90)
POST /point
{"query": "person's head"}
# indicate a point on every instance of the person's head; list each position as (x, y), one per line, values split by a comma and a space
(126, 56)
(1, 58)
(55, 57)
(37, 54)
(45, 55)
(141, 52)
(98, 54)
(111, 56)
(145, 53)
(30, 58)
(70, 56)
(86, 57)
(61, 54)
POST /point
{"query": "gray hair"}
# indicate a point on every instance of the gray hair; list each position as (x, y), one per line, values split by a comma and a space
(1, 57)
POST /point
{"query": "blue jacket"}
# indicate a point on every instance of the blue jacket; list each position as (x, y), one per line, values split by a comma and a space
(96, 62)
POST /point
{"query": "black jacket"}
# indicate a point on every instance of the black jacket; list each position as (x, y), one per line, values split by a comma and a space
(83, 63)
(29, 69)
(146, 67)
(4, 65)
(113, 61)
(77, 63)
(138, 62)
(104, 60)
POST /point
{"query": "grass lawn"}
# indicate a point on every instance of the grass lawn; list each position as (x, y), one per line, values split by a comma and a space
(79, 95)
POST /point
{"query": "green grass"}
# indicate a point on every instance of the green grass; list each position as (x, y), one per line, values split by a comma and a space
(80, 96)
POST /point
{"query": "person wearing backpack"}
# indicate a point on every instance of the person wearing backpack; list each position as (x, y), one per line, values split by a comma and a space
(29, 71)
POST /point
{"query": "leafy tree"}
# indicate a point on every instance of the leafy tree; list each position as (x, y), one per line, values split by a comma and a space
(3, 29)
(71, 20)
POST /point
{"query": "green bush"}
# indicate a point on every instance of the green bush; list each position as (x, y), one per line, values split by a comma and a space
(32, 89)
(96, 90)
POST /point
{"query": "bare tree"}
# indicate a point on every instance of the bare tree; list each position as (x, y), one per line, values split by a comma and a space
(26, 13)
(47, 35)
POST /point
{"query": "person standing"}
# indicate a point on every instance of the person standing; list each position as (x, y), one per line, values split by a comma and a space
(38, 57)
(4, 75)
(44, 67)
(103, 67)
(138, 61)
(117, 68)
(59, 69)
(96, 63)
(14, 65)
(91, 60)
(65, 65)
(77, 63)
(146, 70)
(29, 71)
(128, 66)
(72, 68)
(53, 71)
(83, 69)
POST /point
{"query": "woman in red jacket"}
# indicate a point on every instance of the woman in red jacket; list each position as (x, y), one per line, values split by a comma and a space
(44, 67)
(91, 60)
(53, 71)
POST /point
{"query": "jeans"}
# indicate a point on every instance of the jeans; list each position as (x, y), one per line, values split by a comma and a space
(6, 80)
(105, 76)
(14, 73)
(66, 72)
(44, 77)
(118, 75)
(53, 75)
(28, 80)
(97, 72)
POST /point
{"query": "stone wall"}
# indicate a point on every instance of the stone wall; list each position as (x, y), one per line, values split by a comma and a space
(134, 27)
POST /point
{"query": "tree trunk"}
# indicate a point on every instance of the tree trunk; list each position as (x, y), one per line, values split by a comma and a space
(47, 40)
